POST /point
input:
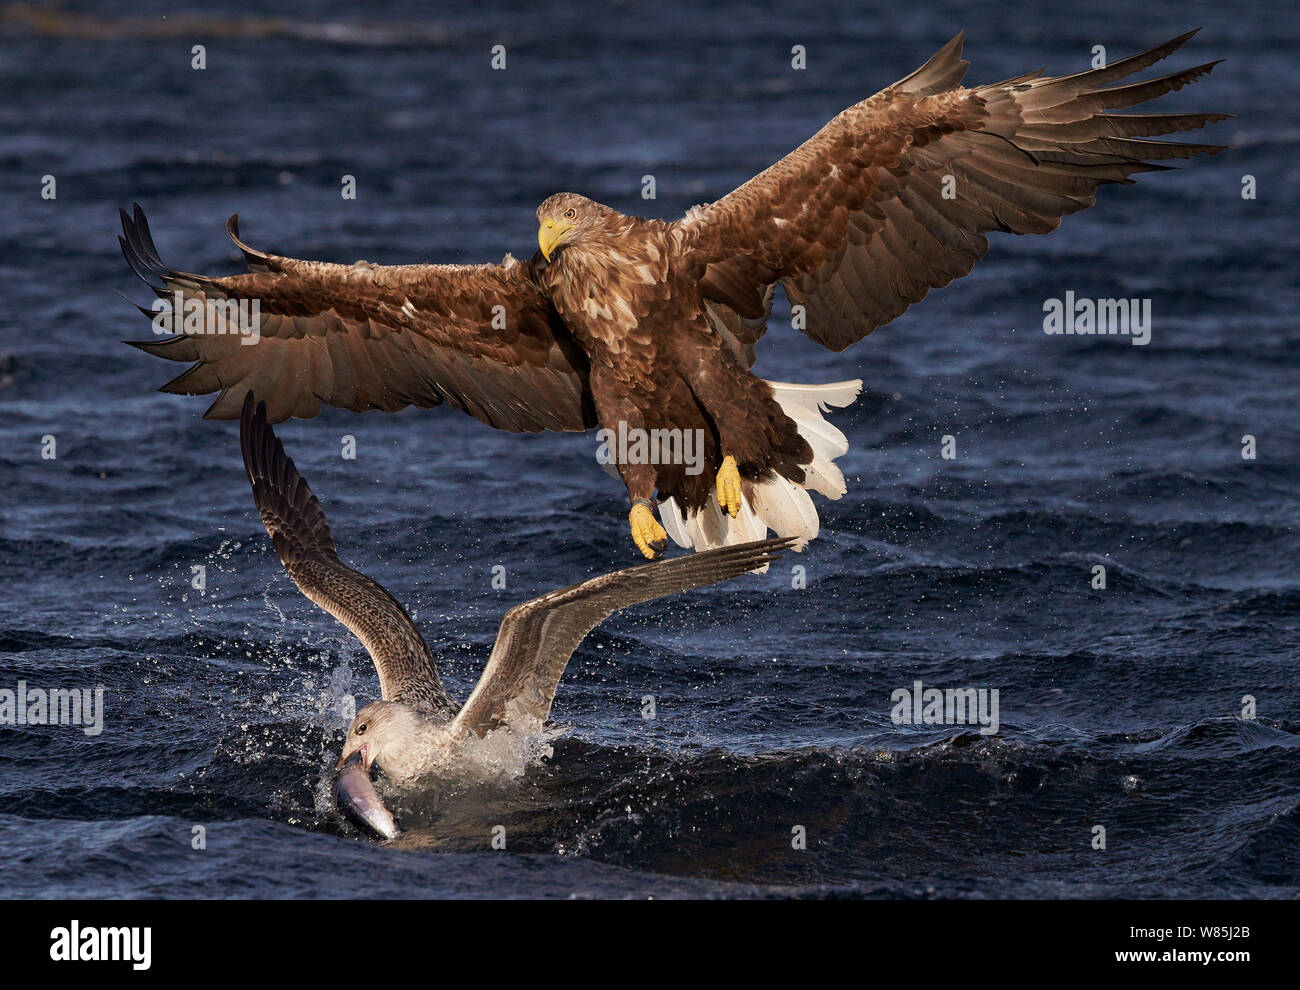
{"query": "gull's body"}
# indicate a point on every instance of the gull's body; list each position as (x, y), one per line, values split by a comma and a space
(418, 726)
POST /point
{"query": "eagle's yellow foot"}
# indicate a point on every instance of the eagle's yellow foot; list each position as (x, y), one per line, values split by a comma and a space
(649, 537)
(728, 484)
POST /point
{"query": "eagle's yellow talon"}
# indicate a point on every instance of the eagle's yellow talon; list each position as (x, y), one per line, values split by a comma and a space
(650, 538)
(728, 484)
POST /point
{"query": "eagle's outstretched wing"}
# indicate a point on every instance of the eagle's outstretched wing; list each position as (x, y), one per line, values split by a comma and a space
(481, 338)
(892, 197)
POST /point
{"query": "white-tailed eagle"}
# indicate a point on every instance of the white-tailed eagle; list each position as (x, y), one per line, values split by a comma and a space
(647, 328)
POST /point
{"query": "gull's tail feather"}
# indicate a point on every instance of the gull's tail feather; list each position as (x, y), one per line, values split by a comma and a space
(776, 503)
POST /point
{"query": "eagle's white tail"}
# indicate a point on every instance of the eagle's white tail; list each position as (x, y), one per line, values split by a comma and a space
(776, 503)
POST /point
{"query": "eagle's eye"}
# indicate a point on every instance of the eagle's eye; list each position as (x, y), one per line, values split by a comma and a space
(570, 214)
(361, 729)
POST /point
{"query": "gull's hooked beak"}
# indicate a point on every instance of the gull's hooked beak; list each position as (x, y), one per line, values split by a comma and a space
(550, 234)
(361, 755)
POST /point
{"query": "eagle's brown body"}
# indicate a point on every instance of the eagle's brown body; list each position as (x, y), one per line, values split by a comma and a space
(631, 297)
(645, 325)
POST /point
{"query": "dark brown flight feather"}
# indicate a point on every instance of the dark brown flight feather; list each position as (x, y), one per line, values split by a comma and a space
(376, 337)
(855, 224)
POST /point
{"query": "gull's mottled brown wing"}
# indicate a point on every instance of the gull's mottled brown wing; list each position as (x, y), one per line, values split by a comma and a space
(537, 638)
(301, 535)
(892, 197)
(481, 338)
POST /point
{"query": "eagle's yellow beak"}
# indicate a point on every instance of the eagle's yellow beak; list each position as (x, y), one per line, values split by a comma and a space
(550, 234)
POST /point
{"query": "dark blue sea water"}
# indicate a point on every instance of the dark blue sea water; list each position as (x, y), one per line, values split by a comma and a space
(1119, 707)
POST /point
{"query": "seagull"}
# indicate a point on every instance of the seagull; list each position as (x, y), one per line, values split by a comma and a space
(417, 726)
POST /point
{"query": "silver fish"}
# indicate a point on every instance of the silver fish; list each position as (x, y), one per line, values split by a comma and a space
(357, 796)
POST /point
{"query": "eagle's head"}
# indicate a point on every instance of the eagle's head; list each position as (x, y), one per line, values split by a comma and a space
(566, 218)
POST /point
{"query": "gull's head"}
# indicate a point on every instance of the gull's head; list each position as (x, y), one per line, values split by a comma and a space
(382, 730)
(567, 217)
